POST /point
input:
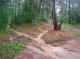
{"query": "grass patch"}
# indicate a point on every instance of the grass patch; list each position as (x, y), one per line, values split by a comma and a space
(30, 30)
(5, 35)
(24, 27)
(23, 40)
(8, 50)
(68, 32)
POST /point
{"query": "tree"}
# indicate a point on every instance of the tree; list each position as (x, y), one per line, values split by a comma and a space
(69, 11)
(55, 22)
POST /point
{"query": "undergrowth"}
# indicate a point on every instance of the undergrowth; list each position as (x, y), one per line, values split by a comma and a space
(8, 50)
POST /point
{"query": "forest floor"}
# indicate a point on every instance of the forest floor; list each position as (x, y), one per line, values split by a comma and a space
(42, 42)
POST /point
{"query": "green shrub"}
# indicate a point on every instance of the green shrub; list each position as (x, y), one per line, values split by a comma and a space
(8, 50)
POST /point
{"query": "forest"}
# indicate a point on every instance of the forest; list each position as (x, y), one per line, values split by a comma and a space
(39, 29)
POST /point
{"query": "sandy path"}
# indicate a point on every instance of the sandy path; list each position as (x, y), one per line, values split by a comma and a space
(45, 51)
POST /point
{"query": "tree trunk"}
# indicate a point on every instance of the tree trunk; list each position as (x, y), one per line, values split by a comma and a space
(69, 12)
(55, 22)
(60, 25)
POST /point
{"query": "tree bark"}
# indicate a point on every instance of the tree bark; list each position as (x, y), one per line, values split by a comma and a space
(55, 22)
(69, 12)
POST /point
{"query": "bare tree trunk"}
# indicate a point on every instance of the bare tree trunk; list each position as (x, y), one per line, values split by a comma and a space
(69, 12)
(55, 22)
